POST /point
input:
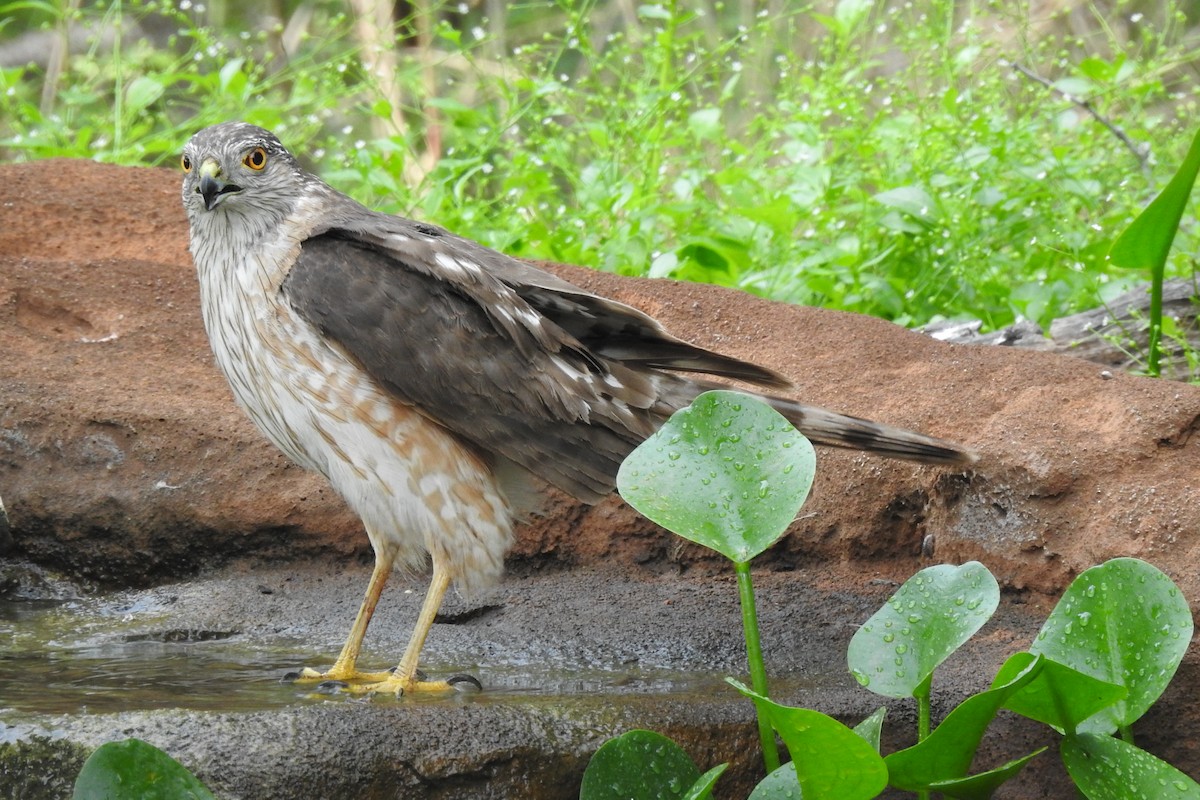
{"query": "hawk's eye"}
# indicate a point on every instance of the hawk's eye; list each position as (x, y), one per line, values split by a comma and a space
(256, 159)
(186, 163)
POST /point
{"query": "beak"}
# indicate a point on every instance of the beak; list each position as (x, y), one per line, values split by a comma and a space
(212, 187)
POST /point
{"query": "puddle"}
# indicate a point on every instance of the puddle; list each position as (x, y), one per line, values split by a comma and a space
(53, 661)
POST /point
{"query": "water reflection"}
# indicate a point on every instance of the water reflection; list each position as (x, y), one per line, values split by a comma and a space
(51, 664)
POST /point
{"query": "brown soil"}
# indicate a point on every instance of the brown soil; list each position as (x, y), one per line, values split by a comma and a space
(123, 458)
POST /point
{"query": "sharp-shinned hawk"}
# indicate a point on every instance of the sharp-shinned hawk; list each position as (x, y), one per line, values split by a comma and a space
(434, 382)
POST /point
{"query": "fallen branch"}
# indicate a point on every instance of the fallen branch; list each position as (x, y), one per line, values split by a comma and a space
(1140, 151)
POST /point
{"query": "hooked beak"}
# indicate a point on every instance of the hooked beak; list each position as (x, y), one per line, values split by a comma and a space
(212, 187)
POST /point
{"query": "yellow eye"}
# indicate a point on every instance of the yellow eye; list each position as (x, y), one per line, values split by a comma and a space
(186, 163)
(256, 159)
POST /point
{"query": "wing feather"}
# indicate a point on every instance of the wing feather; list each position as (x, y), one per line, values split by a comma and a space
(475, 358)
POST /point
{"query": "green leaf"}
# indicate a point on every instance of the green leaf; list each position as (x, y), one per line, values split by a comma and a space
(703, 786)
(135, 769)
(639, 765)
(849, 13)
(231, 78)
(781, 784)
(1105, 768)
(142, 91)
(728, 472)
(1059, 696)
(831, 761)
(983, 785)
(944, 757)
(1124, 622)
(871, 728)
(912, 200)
(655, 11)
(705, 123)
(926, 620)
(1147, 241)
(1080, 88)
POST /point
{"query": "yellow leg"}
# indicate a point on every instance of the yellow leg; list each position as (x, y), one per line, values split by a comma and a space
(344, 668)
(404, 679)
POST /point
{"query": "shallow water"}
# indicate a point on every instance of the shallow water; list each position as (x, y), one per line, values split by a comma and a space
(55, 659)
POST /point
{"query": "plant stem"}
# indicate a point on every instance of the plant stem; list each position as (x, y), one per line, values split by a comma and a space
(923, 706)
(754, 657)
(1156, 289)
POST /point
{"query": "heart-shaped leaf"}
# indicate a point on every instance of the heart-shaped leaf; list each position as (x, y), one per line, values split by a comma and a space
(728, 472)
(1146, 243)
(1124, 622)
(133, 768)
(639, 765)
(895, 652)
(781, 784)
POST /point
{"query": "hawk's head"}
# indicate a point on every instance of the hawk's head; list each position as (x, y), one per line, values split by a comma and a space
(237, 168)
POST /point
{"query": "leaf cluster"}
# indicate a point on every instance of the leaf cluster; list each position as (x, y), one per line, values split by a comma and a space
(881, 158)
(1104, 655)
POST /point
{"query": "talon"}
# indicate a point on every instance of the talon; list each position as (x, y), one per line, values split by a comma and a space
(332, 687)
(465, 683)
(290, 677)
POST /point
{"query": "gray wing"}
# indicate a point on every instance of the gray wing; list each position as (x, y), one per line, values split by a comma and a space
(538, 373)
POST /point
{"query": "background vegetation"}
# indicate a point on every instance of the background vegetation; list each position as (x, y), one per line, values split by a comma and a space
(913, 160)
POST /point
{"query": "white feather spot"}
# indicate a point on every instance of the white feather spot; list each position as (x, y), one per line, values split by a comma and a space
(450, 263)
(568, 370)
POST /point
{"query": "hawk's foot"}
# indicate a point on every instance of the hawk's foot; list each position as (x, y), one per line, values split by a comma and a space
(417, 684)
(348, 676)
(367, 683)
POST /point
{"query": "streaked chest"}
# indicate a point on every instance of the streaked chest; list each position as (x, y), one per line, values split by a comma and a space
(289, 381)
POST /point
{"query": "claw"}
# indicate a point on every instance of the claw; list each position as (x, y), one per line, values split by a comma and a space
(332, 687)
(464, 683)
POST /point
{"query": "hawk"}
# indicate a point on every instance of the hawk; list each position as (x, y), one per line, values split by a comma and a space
(434, 382)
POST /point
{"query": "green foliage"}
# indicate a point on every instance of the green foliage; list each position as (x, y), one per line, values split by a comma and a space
(1059, 696)
(727, 472)
(876, 157)
(134, 770)
(942, 759)
(1146, 244)
(730, 473)
(1105, 768)
(1123, 622)
(829, 759)
(895, 652)
(1105, 654)
(643, 765)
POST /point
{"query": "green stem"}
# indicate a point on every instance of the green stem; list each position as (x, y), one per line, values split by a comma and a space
(1127, 733)
(754, 656)
(119, 79)
(923, 706)
(1156, 287)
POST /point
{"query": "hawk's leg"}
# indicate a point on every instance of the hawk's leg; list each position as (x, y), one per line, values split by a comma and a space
(405, 679)
(344, 669)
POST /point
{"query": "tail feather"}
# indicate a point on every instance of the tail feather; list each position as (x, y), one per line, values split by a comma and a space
(839, 430)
